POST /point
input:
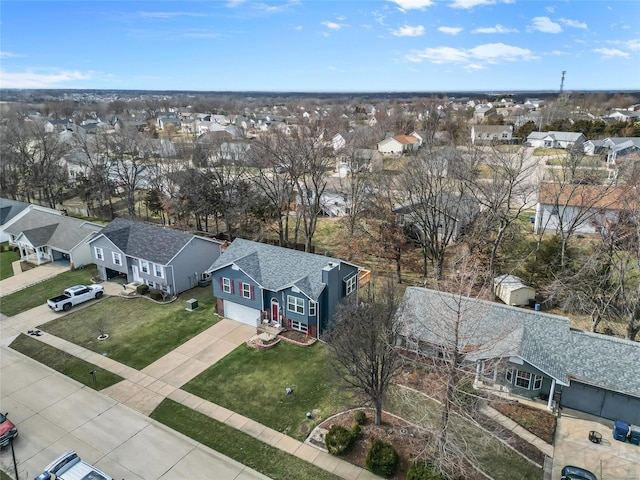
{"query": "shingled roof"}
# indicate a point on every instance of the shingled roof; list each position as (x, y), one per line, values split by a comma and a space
(142, 240)
(545, 341)
(275, 268)
(9, 209)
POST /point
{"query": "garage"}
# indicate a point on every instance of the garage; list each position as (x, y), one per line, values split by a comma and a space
(601, 402)
(242, 314)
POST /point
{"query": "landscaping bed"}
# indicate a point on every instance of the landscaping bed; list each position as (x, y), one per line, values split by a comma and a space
(542, 424)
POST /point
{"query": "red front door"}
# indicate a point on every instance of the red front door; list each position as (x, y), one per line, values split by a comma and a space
(275, 312)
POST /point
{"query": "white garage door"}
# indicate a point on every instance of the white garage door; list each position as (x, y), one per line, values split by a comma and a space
(240, 313)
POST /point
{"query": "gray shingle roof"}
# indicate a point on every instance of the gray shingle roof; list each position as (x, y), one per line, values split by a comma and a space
(545, 341)
(148, 242)
(9, 209)
(276, 268)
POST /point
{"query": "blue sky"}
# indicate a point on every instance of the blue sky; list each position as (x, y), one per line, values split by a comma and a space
(321, 45)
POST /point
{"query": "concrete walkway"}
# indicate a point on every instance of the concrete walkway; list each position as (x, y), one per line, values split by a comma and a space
(144, 390)
(30, 277)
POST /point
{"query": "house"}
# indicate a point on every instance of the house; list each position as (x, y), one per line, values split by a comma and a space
(491, 134)
(398, 145)
(44, 236)
(10, 211)
(566, 140)
(483, 112)
(594, 147)
(255, 282)
(525, 352)
(620, 149)
(159, 257)
(583, 207)
(512, 291)
(338, 142)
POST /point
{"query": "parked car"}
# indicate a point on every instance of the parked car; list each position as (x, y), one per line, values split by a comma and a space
(75, 295)
(69, 466)
(8, 430)
(576, 473)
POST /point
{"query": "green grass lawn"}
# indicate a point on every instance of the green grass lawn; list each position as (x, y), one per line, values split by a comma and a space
(491, 455)
(241, 447)
(38, 294)
(7, 257)
(252, 383)
(65, 363)
(140, 331)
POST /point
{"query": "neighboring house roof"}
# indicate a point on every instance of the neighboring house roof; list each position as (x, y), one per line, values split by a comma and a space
(558, 136)
(406, 139)
(48, 228)
(510, 283)
(492, 129)
(593, 196)
(9, 209)
(276, 268)
(148, 242)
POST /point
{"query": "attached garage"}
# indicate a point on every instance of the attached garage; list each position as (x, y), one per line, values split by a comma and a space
(240, 313)
(600, 402)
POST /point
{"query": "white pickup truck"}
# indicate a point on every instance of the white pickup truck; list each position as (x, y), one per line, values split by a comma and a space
(69, 466)
(75, 295)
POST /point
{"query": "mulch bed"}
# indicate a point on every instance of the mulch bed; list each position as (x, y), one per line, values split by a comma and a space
(298, 338)
(542, 424)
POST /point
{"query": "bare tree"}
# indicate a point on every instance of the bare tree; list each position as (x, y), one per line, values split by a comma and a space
(362, 342)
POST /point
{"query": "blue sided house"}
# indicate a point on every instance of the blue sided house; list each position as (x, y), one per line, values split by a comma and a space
(257, 283)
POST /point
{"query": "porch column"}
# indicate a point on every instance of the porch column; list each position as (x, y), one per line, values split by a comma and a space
(477, 378)
(551, 392)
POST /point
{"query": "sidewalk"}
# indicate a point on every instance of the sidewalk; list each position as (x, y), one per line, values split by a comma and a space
(144, 390)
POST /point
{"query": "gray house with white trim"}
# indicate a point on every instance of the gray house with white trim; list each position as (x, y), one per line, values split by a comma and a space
(159, 257)
(525, 352)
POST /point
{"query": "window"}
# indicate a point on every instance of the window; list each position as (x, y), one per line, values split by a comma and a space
(295, 304)
(150, 283)
(523, 379)
(158, 271)
(554, 210)
(537, 382)
(312, 308)
(301, 327)
(99, 253)
(508, 375)
(144, 266)
(117, 259)
(247, 290)
(352, 282)
(226, 285)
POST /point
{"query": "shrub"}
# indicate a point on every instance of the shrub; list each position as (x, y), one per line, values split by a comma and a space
(356, 431)
(423, 470)
(382, 458)
(338, 440)
(156, 294)
(142, 289)
(360, 417)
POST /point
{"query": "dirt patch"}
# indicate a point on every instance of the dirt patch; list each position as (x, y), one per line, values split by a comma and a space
(538, 422)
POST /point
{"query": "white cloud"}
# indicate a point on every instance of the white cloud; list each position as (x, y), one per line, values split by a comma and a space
(550, 9)
(298, 27)
(413, 4)
(497, 29)
(573, 23)
(41, 80)
(167, 15)
(472, 58)
(611, 52)
(8, 55)
(558, 52)
(468, 4)
(450, 30)
(633, 44)
(545, 25)
(341, 19)
(332, 25)
(409, 31)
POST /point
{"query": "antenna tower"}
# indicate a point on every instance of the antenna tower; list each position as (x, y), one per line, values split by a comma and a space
(562, 82)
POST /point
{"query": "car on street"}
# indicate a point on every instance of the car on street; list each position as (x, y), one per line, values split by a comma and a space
(8, 430)
(576, 473)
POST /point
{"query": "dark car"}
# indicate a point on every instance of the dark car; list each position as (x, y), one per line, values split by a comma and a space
(576, 473)
(7, 430)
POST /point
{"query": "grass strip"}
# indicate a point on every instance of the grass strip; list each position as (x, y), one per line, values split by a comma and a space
(237, 445)
(65, 363)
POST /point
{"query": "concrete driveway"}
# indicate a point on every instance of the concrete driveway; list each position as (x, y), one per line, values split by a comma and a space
(609, 460)
(55, 414)
(30, 277)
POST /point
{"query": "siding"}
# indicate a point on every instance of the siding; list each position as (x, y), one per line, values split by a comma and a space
(192, 261)
(237, 277)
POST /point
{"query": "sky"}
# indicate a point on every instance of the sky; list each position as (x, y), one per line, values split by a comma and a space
(321, 45)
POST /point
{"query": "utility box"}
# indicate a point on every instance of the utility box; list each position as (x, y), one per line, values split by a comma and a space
(192, 304)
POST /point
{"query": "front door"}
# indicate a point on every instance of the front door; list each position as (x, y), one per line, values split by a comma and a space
(275, 310)
(136, 274)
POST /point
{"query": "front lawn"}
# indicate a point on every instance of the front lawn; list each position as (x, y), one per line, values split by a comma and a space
(252, 382)
(39, 293)
(237, 445)
(7, 257)
(140, 331)
(65, 363)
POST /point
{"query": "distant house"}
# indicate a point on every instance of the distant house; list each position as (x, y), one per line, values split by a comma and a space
(620, 149)
(525, 352)
(483, 112)
(159, 257)
(338, 142)
(398, 145)
(512, 291)
(594, 147)
(12, 210)
(44, 236)
(566, 140)
(491, 134)
(256, 282)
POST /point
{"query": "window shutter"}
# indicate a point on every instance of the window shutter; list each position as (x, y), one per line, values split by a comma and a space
(241, 288)
(221, 285)
(251, 290)
(231, 282)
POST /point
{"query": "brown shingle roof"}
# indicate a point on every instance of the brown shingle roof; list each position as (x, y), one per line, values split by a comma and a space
(406, 139)
(592, 196)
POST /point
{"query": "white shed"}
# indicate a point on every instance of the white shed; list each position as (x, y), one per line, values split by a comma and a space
(512, 291)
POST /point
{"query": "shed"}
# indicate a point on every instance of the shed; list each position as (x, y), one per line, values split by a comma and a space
(512, 291)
